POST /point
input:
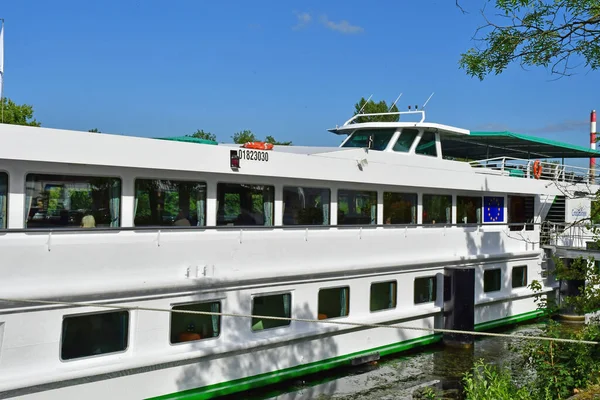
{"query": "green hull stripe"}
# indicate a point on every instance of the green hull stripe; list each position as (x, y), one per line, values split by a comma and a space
(269, 378)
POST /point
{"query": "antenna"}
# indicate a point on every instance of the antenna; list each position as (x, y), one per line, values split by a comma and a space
(359, 111)
(432, 93)
(394, 103)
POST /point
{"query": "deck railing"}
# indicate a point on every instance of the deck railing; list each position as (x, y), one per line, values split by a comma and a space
(522, 168)
(570, 235)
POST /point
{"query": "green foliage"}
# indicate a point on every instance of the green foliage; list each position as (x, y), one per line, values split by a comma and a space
(547, 33)
(247, 136)
(95, 130)
(490, 382)
(16, 114)
(200, 134)
(371, 108)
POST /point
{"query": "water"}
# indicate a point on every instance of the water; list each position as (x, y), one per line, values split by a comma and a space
(400, 377)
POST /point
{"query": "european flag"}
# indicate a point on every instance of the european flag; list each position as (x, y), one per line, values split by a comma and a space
(493, 209)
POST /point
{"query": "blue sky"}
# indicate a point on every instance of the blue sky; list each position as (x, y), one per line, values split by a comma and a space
(289, 69)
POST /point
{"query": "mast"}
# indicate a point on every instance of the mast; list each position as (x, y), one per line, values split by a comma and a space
(593, 143)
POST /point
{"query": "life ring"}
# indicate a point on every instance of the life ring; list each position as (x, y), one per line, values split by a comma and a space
(258, 145)
(537, 169)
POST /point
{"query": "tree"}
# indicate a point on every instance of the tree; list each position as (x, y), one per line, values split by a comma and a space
(247, 136)
(200, 134)
(18, 114)
(371, 108)
(554, 34)
(95, 130)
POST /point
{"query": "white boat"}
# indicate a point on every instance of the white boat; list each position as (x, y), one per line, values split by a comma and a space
(102, 236)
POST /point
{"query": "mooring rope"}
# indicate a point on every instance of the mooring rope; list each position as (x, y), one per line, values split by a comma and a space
(318, 321)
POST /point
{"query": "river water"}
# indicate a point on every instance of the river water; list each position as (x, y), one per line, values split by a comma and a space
(401, 376)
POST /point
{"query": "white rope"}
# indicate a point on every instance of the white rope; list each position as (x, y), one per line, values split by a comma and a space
(318, 321)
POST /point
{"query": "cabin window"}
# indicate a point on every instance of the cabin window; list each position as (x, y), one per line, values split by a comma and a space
(406, 139)
(169, 203)
(437, 209)
(425, 289)
(383, 295)
(519, 276)
(468, 210)
(274, 305)
(356, 207)
(241, 204)
(3, 199)
(374, 139)
(68, 201)
(399, 208)
(491, 280)
(427, 145)
(94, 334)
(186, 327)
(305, 206)
(334, 302)
(521, 210)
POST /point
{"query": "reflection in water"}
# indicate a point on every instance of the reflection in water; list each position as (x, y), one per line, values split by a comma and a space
(399, 377)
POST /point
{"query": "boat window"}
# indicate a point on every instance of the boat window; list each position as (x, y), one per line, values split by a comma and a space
(383, 295)
(399, 208)
(3, 199)
(519, 276)
(334, 302)
(94, 334)
(427, 145)
(305, 206)
(275, 305)
(240, 204)
(425, 289)
(521, 210)
(468, 209)
(406, 139)
(170, 203)
(187, 327)
(491, 280)
(68, 201)
(378, 138)
(357, 207)
(437, 209)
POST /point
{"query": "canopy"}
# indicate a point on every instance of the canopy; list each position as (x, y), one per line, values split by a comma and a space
(483, 145)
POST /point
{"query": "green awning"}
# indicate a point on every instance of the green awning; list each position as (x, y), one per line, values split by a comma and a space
(482, 145)
(189, 139)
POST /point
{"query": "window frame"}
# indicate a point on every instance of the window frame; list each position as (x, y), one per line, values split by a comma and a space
(62, 332)
(395, 282)
(337, 199)
(189, 303)
(490, 270)
(278, 293)
(432, 277)
(412, 148)
(452, 211)
(141, 177)
(435, 143)
(331, 288)
(216, 209)
(120, 177)
(523, 275)
(283, 186)
(416, 205)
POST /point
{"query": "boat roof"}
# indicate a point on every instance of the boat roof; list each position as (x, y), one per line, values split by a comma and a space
(441, 128)
(483, 145)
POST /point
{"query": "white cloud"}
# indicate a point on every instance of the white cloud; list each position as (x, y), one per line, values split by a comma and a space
(304, 19)
(343, 26)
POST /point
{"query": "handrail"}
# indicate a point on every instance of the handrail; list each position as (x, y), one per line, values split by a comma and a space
(251, 227)
(568, 235)
(422, 112)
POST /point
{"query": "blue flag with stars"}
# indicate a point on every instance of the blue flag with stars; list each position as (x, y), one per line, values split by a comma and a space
(493, 209)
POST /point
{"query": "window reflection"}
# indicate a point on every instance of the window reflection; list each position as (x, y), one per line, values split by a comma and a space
(406, 139)
(437, 209)
(399, 208)
(168, 202)
(468, 210)
(3, 199)
(241, 204)
(60, 201)
(305, 206)
(427, 145)
(357, 207)
(375, 139)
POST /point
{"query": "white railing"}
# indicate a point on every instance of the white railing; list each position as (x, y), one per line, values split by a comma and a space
(522, 168)
(570, 235)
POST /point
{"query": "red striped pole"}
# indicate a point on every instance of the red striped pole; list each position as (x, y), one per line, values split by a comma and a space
(593, 141)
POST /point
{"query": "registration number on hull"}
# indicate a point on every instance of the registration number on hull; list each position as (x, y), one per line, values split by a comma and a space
(253, 155)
